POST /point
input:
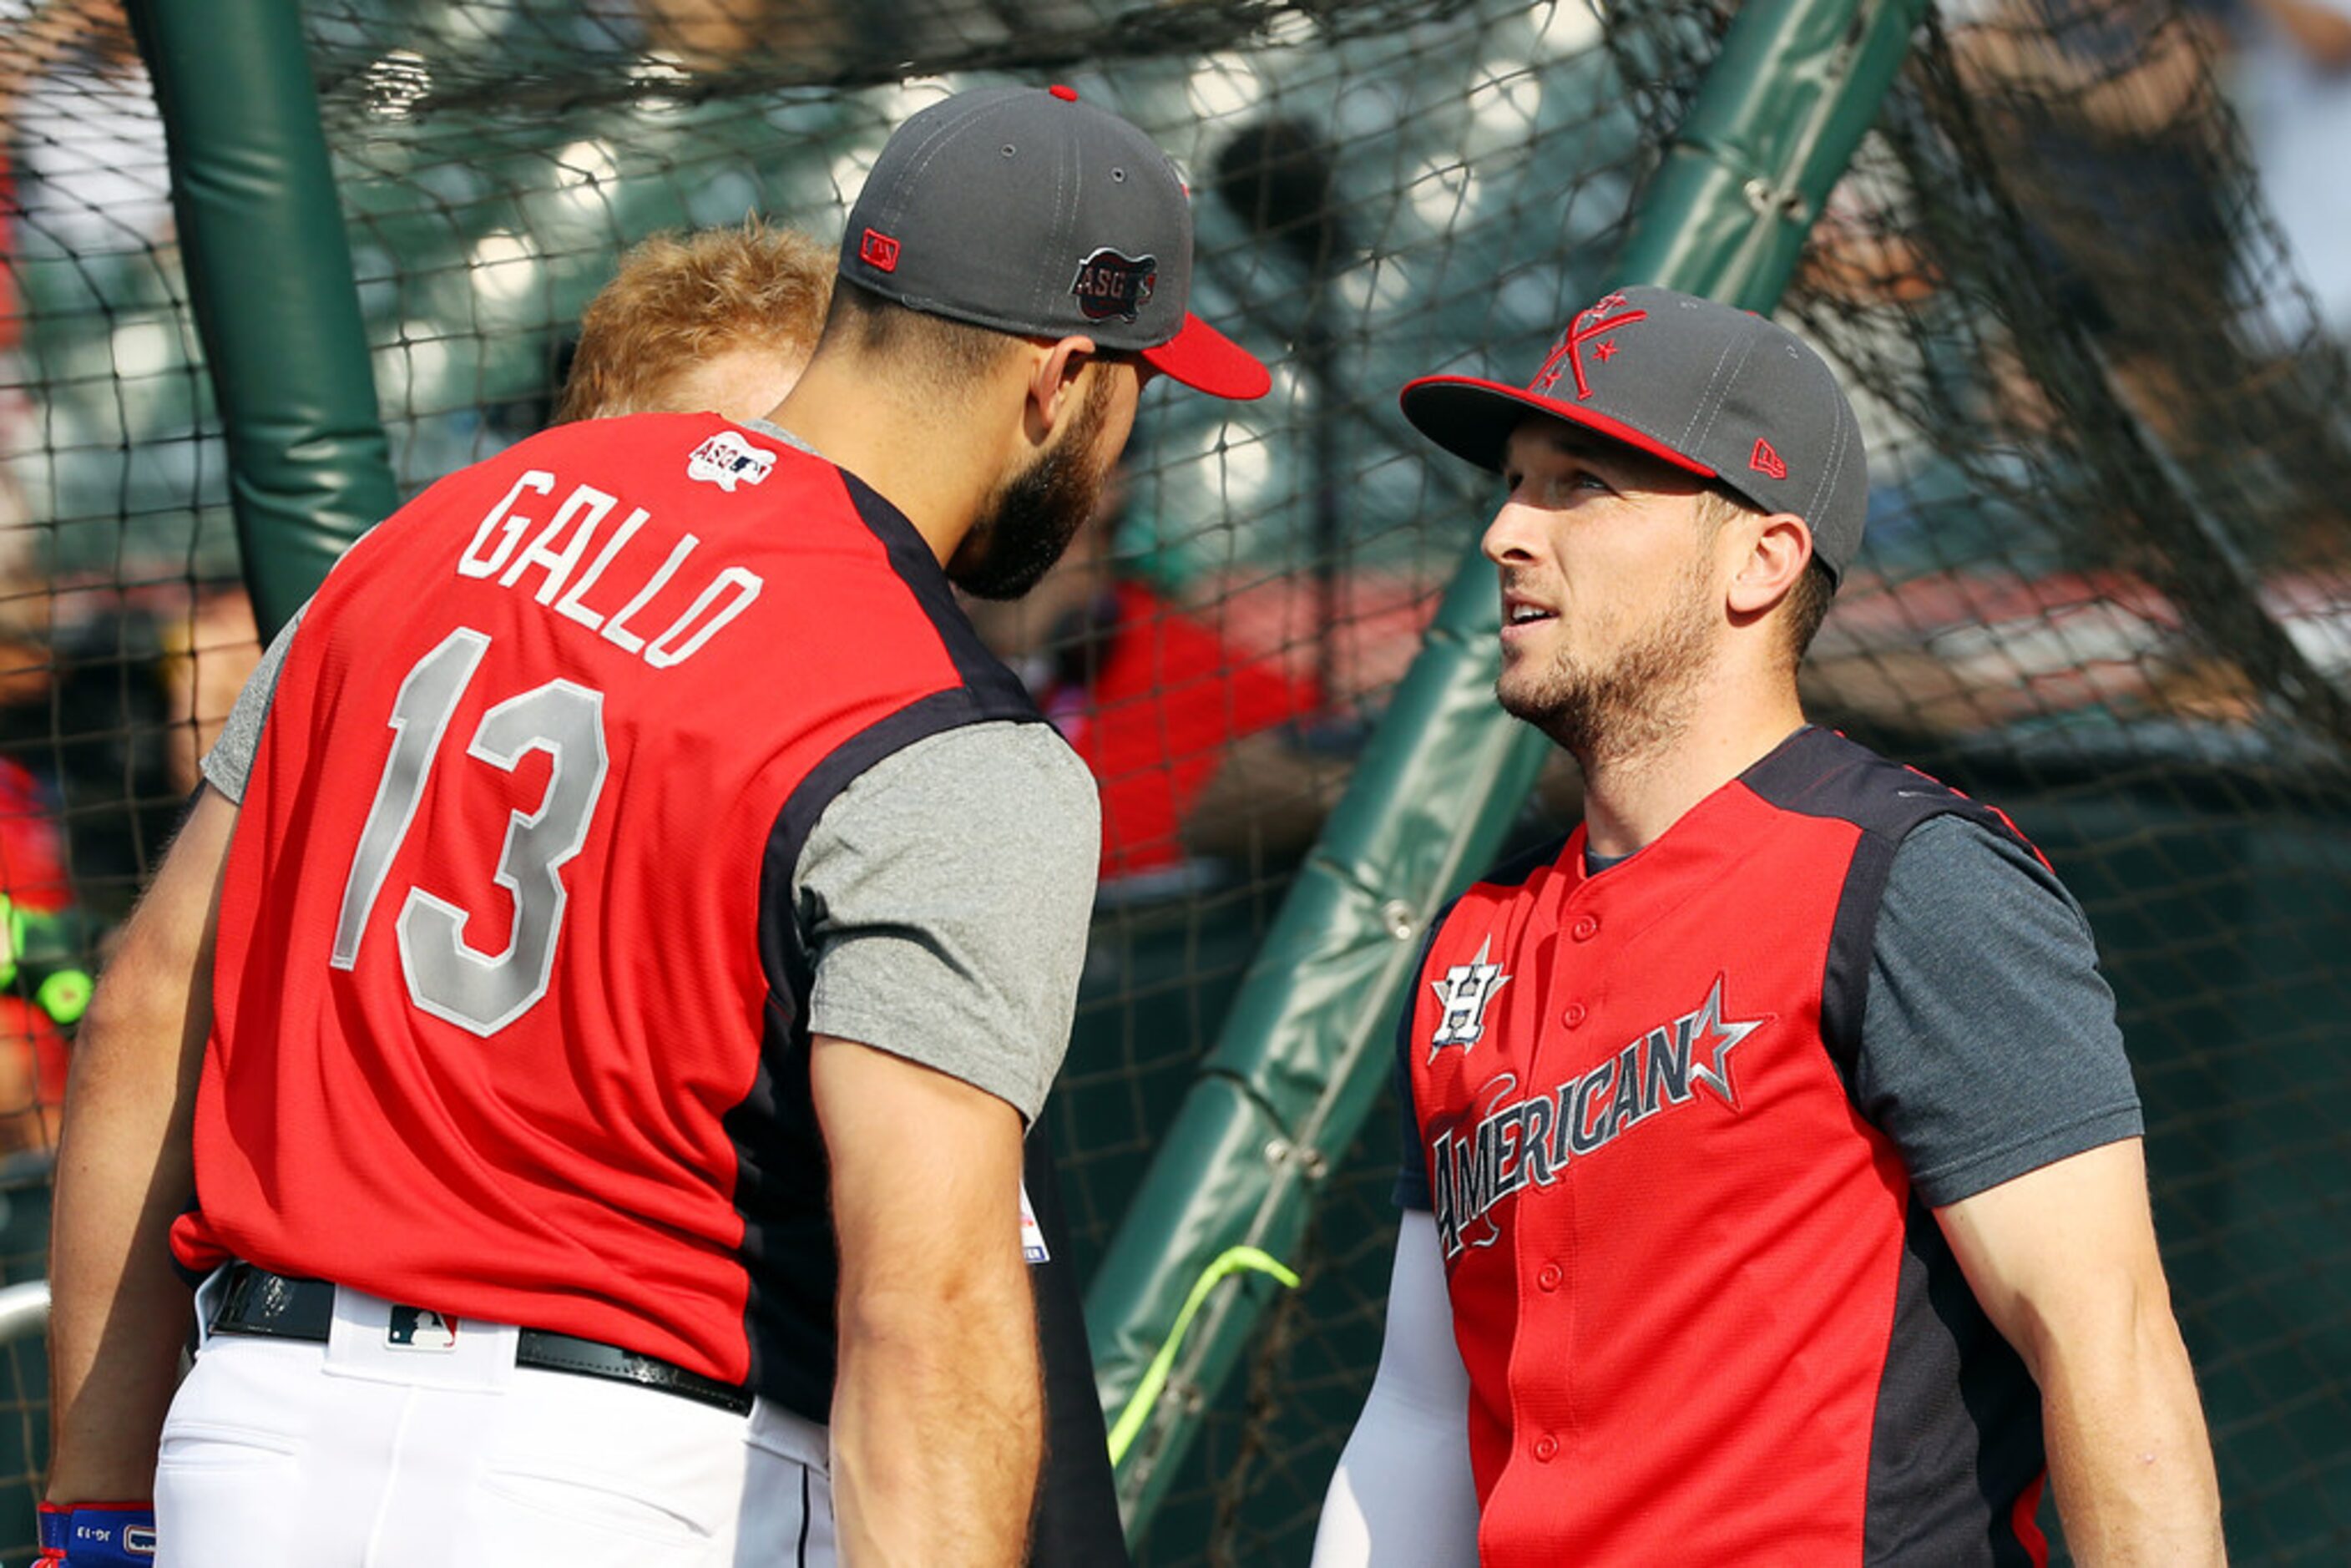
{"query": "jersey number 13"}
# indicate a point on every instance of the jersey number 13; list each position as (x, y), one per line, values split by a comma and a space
(447, 977)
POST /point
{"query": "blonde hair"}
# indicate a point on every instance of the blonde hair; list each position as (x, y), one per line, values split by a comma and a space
(678, 300)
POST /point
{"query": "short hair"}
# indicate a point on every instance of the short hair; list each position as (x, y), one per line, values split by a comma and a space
(679, 299)
(945, 352)
(1807, 601)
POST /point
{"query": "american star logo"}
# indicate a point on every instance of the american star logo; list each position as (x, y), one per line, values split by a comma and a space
(1504, 1142)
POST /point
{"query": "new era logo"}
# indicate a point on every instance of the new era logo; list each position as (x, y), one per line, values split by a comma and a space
(878, 251)
(1766, 462)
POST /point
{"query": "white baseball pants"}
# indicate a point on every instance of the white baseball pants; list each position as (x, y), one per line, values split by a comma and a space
(361, 1454)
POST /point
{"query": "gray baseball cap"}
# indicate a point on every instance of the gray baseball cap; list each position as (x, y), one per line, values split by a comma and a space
(1719, 392)
(1029, 212)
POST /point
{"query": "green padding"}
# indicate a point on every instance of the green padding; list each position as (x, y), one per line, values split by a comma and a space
(1305, 1050)
(269, 275)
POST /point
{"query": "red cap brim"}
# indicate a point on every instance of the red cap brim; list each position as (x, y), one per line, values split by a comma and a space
(1206, 360)
(1473, 419)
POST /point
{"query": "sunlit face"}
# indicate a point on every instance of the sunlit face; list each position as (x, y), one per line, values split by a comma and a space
(1611, 608)
(1036, 512)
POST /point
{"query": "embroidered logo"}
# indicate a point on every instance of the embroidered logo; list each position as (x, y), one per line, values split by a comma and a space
(1110, 284)
(878, 251)
(1766, 461)
(1512, 1141)
(1591, 326)
(1461, 998)
(727, 460)
(419, 1328)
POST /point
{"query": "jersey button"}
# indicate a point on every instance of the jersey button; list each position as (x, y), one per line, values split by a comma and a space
(1546, 1449)
(1585, 928)
(1573, 1016)
(1549, 1276)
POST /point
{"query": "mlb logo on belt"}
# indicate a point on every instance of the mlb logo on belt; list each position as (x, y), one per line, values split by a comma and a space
(727, 460)
(420, 1328)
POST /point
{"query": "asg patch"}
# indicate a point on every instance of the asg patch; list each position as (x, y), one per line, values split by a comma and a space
(727, 460)
(1461, 998)
(420, 1328)
(1110, 284)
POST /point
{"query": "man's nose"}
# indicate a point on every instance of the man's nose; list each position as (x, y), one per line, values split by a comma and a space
(1512, 536)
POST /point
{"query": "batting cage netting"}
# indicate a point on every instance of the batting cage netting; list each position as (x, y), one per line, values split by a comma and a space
(2106, 584)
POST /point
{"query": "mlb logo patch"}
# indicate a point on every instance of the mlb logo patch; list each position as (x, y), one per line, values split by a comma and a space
(727, 460)
(1111, 284)
(420, 1328)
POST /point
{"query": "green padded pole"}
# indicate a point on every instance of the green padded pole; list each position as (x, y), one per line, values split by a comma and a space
(1304, 1053)
(269, 275)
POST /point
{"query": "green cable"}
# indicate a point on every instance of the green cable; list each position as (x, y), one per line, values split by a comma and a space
(1233, 1259)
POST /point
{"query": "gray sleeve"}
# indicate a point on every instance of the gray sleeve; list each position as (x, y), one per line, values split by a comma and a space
(945, 893)
(230, 761)
(1989, 1043)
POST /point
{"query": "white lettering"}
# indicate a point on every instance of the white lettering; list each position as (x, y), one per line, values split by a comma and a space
(660, 656)
(616, 629)
(570, 604)
(557, 564)
(472, 563)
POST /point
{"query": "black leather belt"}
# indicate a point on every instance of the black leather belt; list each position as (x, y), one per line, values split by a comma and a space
(275, 1306)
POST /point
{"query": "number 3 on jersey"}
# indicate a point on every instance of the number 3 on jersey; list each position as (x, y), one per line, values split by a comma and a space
(476, 990)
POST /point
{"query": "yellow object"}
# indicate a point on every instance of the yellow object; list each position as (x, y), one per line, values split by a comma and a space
(1233, 1259)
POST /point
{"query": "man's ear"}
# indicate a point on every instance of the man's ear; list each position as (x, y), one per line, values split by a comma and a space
(1777, 549)
(1053, 380)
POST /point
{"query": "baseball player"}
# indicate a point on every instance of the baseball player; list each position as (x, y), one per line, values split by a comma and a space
(725, 320)
(1773, 1189)
(607, 956)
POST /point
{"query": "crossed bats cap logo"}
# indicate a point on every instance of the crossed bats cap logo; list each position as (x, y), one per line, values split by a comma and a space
(1714, 390)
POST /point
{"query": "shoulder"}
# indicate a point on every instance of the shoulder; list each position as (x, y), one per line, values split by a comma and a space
(998, 790)
(1820, 773)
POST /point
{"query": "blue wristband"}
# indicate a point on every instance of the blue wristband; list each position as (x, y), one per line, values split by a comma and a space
(99, 1535)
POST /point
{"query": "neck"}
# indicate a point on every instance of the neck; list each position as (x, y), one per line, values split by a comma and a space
(1631, 799)
(932, 460)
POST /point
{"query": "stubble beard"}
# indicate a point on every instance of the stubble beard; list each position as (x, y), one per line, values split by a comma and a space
(1638, 704)
(1029, 521)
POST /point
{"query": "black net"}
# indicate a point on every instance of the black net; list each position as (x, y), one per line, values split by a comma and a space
(2107, 584)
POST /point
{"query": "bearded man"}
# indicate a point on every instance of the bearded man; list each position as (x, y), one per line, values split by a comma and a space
(587, 1069)
(1772, 1184)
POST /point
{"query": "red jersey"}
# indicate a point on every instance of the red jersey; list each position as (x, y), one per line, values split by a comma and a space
(510, 1001)
(1156, 719)
(1704, 1317)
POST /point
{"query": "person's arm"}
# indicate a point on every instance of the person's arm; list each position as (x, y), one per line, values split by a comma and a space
(119, 1313)
(1403, 1495)
(2063, 1261)
(959, 1016)
(938, 1413)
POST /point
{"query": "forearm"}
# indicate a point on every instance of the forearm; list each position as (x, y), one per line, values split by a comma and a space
(2129, 1459)
(119, 1314)
(937, 1423)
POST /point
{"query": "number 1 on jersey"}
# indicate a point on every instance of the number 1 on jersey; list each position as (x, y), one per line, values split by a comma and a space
(483, 992)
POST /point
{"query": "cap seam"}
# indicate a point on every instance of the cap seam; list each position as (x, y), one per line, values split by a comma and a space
(1718, 392)
(1828, 481)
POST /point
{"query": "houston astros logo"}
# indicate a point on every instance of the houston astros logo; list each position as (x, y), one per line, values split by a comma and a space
(1110, 284)
(1592, 326)
(1461, 998)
